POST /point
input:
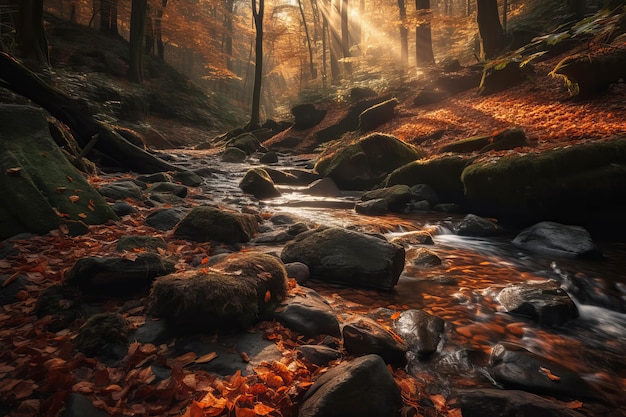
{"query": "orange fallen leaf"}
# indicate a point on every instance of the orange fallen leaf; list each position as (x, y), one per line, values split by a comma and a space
(262, 410)
(244, 357)
(268, 296)
(204, 260)
(206, 358)
(244, 412)
(11, 278)
(395, 315)
(14, 171)
(574, 404)
(549, 374)
(74, 198)
(82, 215)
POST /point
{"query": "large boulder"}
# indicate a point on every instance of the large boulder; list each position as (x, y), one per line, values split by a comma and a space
(41, 189)
(563, 184)
(366, 162)
(377, 115)
(558, 239)
(203, 224)
(441, 173)
(247, 142)
(362, 387)
(306, 116)
(396, 196)
(345, 256)
(257, 182)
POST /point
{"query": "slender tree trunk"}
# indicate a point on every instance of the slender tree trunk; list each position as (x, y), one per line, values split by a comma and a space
(505, 13)
(228, 34)
(404, 35)
(345, 37)
(424, 55)
(490, 29)
(324, 49)
(30, 33)
(257, 14)
(308, 41)
(149, 32)
(335, 39)
(108, 17)
(158, 32)
(137, 26)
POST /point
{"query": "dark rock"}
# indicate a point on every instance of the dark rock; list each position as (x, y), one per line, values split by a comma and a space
(299, 271)
(377, 115)
(362, 387)
(297, 228)
(247, 142)
(364, 336)
(422, 205)
(423, 258)
(9, 292)
(165, 219)
(324, 187)
(117, 276)
(458, 81)
(165, 198)
(319, 355)
(122, 189)
(122, 208)
(104, 335)
(234, 155)
(282, 177)
(413, 238)
(360, 93)
(152, 331)
(306, 116)
(148, 243)
(341, 255)
(156, 177)
(421, 331)
(545, 302)
(508, 403)
(367, 162)
(515, 367)
(473, 225)
(429, 96)
(451, 65)
(308, 314)
(272, 237)
(499, 76)
(448, 208)
(78, 405)
(188, 178)
(397, 196)
(471, 144)
(506, 139)
(168, 188)
(375, 207)
(258, 183)
(203, 224)
(558, 239)
(424, 192)
(269, 158)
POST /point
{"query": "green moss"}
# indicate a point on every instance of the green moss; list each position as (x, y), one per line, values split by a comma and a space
(207, 223)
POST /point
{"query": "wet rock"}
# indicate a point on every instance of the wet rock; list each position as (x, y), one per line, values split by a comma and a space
(120, 190)
(397, 196)
(233, 155)
(156, 177)
(448, 208)
(117, 276)
(282, 177)
(104, 335)
(324, 187)
(340, 255)
(165, 198)
(247, 142)
(165, 218)
(258, 183)
(308, 313)
(428, 96)
(367, 162)
(269, 158)
(558, 239)
(377, 115)
(421, 331)
(545, 302)
(8, 292)
(284, 218)
(148, 243)
(272, 238)
(360, 93)
(603, 292)
(418, 206)
(122, 208)
(78, 405)
(203, 224)
(476, 226)
(414, 238)
(303, 176)
(188, 178)
(297, 228)
(421, 192)
(362, 387)
(423, 258)
(152, 331)
(365, 336)
(515, 367)
(508, 403)
(299, 271)
(374, 207)
(306, 116)
(319, 355)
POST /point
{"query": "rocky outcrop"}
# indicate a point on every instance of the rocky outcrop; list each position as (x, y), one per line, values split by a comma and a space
(340, 255)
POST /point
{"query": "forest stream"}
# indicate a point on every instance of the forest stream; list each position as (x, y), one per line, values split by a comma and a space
(463, 290)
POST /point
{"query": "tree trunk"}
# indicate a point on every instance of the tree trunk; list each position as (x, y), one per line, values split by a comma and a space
(158, 32)
(424, 55)
(87, 131)
(108, 17)
(345, 38)
(257, 14)
(491, 33)
(324, 49)
(30, 33)
(137, 26)
(308, 41)
(335, 39)
(404, 35)
(228, 33)
(505, 13)
(149, 32)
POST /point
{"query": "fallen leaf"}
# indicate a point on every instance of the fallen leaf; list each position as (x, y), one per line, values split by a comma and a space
(268, 296)
(82, 215)
(244, 357)
(14, 171)
(10, 279)
(206, 358)
(572, 405)
(549, 374)
(395, 315)
(74, 198)
(262, 409)
(70, 179)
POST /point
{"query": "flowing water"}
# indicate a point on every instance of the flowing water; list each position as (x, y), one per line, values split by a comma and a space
(463, 291)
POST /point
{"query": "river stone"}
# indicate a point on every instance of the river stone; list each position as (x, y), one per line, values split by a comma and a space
(308, 313)
(508, 403)
(122, 208)
(361, 387)
(515, 367)
(374, 207)
(282, 177)
(345, 256)
(421, 331)
(233, 155)
(367, 162)
(423, 257)
(414, 238)
(476, 226)
(247, 142)
(299, 271)
(203, 224)
(324, 187)
(165, 218)
(155, 178)
(424, 192)
(122, 189)
(319, 355)
(397, 196)
(188, 178)
(168, 188)
(117, 276)
(557, 239)
(258, 183)
(364, 336)
(545, 302)
(148, 243)
(270, 157)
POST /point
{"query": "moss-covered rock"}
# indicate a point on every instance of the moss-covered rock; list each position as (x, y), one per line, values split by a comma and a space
(203, 224)
(247, 142)
(397, 196)
(563, 184)
(441, 173)
(103, 334)
(366, 162)
(377, 115)
(234, 155)
(40, 188)
(132, 242)
(256, 181)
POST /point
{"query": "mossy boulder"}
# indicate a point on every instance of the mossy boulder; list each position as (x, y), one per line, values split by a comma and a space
(564, 184)
(257, 181)
(366, 162)
(397, 196)
(377, 115)
(234, 155)
(203, 224)
(505, 139)
(103, 334)
(234, 294)
(441, 173)
(502, 74)
(247, 142)
(41, 190)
